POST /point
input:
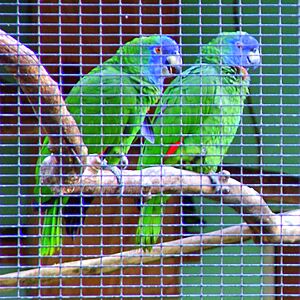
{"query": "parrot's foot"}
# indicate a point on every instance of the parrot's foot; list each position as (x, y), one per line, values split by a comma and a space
(219, 181)
(118, 173)
(116, 170)
(124, 161)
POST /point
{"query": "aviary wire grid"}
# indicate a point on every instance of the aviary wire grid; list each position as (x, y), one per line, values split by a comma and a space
(149, 149)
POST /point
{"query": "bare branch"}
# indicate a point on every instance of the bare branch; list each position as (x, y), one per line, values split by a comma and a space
(263, 223)
(169, 180)
(108, 264)
(274, 187)
(290, 233)
(46, 100)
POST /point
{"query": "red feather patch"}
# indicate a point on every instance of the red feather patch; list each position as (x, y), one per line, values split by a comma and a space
(244, 73)
(173, 148)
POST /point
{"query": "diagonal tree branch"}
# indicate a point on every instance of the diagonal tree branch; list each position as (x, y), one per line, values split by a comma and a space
(133, 258)
(46, 100)
(108, 264)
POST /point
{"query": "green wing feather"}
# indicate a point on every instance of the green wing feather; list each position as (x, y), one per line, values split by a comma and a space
(106, 119)
(149, 226)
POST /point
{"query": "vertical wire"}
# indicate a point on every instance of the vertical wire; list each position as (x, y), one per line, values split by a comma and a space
(161, 265)
(281, 246)
(122, 125)
(61, 182)
(140, 33)
(181, 152)
(221, 142)
(180, 18)
(101, 208)
(201, 204)
(39, 235)
(259, 141)
(163, 209)
(19, 192)
(81, 202)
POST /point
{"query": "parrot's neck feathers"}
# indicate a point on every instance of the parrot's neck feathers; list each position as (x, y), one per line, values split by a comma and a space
(135, 58)
(134, 65)
(212, 55)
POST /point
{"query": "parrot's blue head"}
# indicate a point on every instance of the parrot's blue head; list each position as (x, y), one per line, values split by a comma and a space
(235, 49)
(164, 60)
(154, 57)
(242, 50)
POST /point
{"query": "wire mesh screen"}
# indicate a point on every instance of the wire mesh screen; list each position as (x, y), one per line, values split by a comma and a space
(149, 149)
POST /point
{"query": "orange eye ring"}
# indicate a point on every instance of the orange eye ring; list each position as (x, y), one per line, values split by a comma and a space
(157, 50)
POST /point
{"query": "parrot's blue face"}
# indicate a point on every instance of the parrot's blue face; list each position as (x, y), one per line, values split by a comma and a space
(165, 59)
(243, 51)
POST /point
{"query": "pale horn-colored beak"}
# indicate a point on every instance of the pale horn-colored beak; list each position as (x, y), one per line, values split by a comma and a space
(254, 57)
(175, 64)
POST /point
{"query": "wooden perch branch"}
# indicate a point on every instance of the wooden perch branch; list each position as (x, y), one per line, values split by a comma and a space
(46, 100)
(263, 223)
(290, 230)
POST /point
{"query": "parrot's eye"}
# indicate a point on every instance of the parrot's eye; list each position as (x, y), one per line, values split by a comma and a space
(157, 50)
(239, 45)
(253, 50)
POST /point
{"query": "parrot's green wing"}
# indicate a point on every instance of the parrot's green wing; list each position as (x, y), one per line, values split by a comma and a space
(115, 120)
(193, 128)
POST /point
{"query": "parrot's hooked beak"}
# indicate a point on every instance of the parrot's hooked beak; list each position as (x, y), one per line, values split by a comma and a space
(174, 64)
(254, 58)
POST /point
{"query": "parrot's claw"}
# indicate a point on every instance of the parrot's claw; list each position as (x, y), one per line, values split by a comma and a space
(124, 161)
(219, 180)
(116, 171)
(103, 164)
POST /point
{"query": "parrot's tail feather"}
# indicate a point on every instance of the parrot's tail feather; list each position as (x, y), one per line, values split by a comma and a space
(52, 231)
(149, 227)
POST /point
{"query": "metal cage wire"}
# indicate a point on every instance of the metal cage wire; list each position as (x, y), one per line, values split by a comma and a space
(206, 249)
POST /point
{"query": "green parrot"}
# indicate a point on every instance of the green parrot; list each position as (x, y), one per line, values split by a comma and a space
(197, 118)
(109, 105)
